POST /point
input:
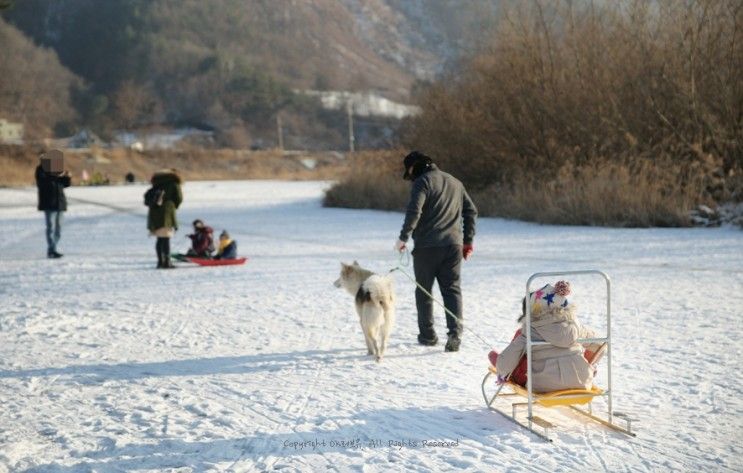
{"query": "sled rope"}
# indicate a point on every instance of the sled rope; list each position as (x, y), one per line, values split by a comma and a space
(404, 262)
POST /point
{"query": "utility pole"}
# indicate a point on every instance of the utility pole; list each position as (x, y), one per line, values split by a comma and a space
(280, 131)
(351, 138)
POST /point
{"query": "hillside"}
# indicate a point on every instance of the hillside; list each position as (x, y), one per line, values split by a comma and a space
(35, 88)
(230, 63)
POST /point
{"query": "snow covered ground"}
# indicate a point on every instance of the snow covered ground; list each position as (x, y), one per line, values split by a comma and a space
(109, 365)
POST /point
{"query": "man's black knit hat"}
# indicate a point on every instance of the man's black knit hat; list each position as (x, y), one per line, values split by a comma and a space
(418, 161)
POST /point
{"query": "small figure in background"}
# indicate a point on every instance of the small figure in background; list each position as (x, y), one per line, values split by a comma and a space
(227, 247)
(161, 217)
(202, 240)
(129, 178)
(51, 179)
(97, 179)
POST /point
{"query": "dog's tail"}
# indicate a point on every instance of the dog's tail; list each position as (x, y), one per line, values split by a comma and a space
(377, 290)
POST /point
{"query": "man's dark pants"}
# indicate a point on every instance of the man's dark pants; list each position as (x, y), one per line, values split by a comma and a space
(443, 264)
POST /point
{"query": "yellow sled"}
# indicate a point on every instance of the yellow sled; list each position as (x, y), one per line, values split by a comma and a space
(566, 398)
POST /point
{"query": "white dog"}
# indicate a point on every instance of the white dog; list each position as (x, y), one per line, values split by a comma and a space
(375, 304)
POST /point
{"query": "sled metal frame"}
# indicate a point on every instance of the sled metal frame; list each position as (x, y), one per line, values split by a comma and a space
(556, 398)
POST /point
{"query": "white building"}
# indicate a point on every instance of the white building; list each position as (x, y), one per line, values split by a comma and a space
(11, 132)
(363, 104)
(169, 139)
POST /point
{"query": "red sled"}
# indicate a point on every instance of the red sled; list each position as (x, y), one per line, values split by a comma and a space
(216, 262)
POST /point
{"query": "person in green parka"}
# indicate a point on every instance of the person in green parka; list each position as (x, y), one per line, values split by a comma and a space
(161, 218)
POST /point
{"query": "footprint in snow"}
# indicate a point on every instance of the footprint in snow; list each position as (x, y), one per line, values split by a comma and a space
(106, 443)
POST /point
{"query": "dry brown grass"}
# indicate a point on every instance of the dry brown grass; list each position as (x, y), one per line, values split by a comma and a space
(18, 164)
(638, 194)
(374, 181)
(608, 194)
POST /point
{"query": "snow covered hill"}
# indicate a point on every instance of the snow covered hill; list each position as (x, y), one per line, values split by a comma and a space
(107, 364)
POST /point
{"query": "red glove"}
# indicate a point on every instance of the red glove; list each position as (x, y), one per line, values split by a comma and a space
(493, 357)
(467, 251)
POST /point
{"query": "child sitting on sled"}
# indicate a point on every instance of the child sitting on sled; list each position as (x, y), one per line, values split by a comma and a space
(202, 242)
(227, 247)
(564, 363)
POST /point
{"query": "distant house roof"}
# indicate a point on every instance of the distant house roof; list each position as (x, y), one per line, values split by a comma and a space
(363, 104)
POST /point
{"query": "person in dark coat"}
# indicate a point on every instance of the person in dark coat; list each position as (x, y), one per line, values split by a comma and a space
(441, 219)
(161, 219)
(202, 240)
(53, 203)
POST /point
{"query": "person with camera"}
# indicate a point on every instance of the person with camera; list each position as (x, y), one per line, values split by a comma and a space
(51, 181)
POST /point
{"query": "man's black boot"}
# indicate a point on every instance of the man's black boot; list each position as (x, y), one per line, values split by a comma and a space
(452, 344)
(428, 342)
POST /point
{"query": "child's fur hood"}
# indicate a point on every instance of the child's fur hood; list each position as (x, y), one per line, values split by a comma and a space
(555, 315)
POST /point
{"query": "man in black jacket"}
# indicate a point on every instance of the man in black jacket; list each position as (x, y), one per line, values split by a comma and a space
(53, 202)
(441, 218)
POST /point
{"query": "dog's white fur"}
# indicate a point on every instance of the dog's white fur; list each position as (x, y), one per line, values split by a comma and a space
(375, 304)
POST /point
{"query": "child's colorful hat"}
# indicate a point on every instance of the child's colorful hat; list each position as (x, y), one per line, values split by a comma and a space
(550, 297)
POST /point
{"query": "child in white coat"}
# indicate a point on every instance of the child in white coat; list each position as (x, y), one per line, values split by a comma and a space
(561, 364)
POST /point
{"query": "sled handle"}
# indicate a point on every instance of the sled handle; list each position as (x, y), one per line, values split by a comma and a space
(529, 343)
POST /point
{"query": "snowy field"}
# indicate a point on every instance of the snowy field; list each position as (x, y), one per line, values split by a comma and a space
(107, 364)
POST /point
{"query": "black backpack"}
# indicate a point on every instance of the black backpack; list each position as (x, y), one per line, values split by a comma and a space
(154, 197)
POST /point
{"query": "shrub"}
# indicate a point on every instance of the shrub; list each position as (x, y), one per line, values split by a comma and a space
(639, 194)
(566, 83)
(635, 193)
(374, 181)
